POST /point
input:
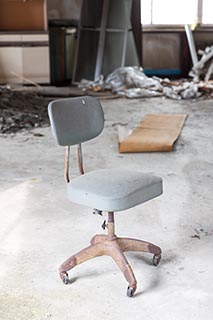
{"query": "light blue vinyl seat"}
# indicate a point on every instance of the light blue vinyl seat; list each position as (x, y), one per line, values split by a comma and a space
(74, 121)
(114, 189)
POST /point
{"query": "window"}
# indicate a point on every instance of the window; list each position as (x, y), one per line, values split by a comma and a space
(176, 12)
(207, 12)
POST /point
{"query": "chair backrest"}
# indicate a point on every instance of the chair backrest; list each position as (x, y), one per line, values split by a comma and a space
(75, 120)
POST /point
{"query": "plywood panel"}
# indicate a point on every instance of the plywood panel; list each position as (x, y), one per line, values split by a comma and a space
(156, 132)
(22, 15)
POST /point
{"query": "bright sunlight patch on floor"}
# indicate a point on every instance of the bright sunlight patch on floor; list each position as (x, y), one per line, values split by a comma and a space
(12, 204)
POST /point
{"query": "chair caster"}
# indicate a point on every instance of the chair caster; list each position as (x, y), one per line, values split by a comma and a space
(65, 278)
(156, 259)
(130, 291)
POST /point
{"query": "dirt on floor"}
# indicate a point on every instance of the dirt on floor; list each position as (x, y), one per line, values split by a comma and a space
(25, 108)
(22, 110)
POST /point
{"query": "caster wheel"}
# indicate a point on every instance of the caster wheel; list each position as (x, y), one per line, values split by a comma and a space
(130, 291)
(156, 260)
(66, 279)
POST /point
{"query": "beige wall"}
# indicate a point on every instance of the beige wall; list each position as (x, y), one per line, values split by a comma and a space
(20, 62)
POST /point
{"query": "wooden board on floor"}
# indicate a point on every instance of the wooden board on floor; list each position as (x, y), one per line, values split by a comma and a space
(156, 132)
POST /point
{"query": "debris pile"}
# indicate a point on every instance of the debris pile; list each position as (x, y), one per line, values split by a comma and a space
(21, 110)
(203, 69)
(132, 82)
(26, 107)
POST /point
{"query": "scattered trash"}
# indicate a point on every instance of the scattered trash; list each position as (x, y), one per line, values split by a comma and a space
(131, 82)
(95, 86)
(25, 108)
(203, 69)
(141, 93)
(127, 81)
(131, 77)
(21, 110)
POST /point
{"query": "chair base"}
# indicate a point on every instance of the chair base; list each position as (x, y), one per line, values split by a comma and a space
(112, 246)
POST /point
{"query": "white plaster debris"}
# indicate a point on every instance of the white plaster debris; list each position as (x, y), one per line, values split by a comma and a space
(132, 82)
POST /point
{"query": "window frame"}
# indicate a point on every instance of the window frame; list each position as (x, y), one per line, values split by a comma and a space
(178, 27)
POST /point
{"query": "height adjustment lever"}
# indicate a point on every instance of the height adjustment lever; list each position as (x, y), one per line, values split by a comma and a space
(104, 225)
(96, 211)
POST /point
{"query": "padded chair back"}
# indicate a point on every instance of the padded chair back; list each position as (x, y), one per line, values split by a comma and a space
(75, 120)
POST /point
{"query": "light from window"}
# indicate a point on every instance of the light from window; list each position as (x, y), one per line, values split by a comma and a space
(207, 17)
(146, 11)
(169, 11)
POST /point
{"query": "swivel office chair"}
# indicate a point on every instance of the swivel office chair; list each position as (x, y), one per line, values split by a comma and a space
(76, 120)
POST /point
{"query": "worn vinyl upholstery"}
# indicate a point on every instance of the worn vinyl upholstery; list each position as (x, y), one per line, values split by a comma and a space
(114, 189)
(75, 120)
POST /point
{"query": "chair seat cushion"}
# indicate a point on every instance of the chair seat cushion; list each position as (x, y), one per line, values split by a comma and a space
(114, 189)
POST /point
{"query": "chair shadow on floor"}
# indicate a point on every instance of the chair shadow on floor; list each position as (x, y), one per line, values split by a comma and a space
(156, 278)
(95, 272)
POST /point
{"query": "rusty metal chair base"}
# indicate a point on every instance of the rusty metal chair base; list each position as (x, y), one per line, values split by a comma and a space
(113, 246)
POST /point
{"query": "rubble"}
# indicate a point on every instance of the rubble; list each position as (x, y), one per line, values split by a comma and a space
(25, 108)
(203, 69)
(141, 93)
(131, 77)
(126, 81)
(132, 82)
(21, 110)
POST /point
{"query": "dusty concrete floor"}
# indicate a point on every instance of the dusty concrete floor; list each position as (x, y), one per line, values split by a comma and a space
(40, 227)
